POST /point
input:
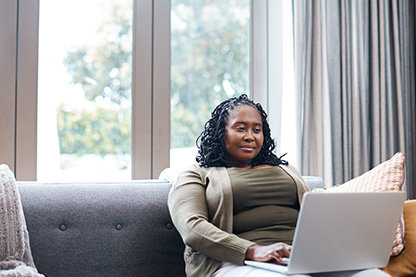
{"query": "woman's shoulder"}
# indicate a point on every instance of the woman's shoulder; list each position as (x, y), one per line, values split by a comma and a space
(290, 169)
(194, 167)
(194, 170)
(203, 171)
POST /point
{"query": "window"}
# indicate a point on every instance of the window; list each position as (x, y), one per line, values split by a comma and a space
(84, 90)
(157, 89)
(210, 62)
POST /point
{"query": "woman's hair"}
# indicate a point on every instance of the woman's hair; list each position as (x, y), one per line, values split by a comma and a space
(210, 142)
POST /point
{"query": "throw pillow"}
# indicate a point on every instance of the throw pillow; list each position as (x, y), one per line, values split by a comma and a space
(387, 176)
(405, 264)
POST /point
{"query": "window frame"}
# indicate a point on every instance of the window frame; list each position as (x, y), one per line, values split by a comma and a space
(19, 30)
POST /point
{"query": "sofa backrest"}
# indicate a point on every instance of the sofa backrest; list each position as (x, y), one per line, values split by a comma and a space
(113, 229)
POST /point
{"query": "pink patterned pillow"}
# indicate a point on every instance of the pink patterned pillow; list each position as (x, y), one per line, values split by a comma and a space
(387, 176)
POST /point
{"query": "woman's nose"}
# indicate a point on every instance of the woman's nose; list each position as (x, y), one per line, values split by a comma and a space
(249, 136)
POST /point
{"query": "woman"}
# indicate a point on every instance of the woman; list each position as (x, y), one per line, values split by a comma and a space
(240, 201)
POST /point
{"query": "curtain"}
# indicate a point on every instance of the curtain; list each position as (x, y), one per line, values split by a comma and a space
(355, 80)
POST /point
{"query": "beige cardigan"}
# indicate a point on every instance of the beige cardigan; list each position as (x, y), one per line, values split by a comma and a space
(201, 207)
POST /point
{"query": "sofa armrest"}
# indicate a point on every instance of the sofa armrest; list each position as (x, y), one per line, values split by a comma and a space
(314, 182)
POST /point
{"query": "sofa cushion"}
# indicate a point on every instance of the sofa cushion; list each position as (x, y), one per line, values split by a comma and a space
(405, 263)
(387, 176)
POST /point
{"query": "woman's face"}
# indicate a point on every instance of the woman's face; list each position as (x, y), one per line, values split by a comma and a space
(243, 136)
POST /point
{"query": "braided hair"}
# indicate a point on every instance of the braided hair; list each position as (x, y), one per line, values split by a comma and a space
(210, 142)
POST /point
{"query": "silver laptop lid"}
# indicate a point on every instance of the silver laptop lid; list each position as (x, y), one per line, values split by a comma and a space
(345, 231)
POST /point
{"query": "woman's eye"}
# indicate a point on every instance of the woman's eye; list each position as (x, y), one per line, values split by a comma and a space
(257, 130)
(240, 129)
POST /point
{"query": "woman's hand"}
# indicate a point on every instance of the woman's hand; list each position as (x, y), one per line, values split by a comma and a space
(265, 253)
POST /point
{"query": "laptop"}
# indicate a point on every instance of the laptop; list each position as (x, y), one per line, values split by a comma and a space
(342, 231)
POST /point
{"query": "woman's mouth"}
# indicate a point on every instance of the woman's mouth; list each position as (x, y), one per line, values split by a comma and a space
(247, 148)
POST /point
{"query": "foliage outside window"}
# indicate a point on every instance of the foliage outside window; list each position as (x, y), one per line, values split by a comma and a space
(209, 63)
(103, 70)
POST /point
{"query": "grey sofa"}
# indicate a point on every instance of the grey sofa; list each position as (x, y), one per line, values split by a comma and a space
(104, 229)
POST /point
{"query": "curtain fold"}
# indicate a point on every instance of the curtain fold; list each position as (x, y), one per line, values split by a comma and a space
(355, 76)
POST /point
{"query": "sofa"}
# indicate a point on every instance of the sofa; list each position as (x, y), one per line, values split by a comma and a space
(104, 229)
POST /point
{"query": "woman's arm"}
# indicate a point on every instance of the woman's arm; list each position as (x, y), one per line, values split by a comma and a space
(188, 207)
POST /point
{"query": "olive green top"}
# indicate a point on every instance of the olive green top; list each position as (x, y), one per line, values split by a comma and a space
(265, 205)
(201, 206)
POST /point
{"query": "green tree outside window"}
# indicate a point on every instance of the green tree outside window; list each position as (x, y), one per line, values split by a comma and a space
(209, 63)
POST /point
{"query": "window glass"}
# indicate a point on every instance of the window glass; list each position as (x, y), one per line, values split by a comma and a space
(210, 62)
(84, 90)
